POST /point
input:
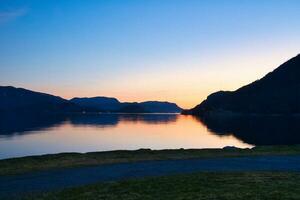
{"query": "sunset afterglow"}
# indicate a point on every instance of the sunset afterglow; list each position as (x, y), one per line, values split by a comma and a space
(144, 50)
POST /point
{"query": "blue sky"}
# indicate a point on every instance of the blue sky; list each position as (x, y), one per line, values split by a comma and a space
(135, 50)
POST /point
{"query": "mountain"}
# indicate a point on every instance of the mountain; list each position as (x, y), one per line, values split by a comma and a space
(108, 104)
(160, 107)
(132, 108)
(21, 100)
(276, 93)
(101, 103)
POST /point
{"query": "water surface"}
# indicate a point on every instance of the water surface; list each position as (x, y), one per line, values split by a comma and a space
(24, 135)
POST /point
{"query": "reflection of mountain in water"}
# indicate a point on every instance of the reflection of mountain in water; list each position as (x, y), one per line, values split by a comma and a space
(96, 120)
(257, 130)
(22, 124)
(108, 120)
(150, 118)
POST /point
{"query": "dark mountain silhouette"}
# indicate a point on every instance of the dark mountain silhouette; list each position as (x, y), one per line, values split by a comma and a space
(132, 108)
(21, 100)
(113, 105)
(160, 107)
(150, 107)
(101, 103)
(276, 93)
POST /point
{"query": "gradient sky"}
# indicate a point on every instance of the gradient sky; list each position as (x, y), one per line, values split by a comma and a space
(135, 50)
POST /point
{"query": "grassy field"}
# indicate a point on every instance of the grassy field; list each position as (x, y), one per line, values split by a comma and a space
(199, 186)
(66, 160)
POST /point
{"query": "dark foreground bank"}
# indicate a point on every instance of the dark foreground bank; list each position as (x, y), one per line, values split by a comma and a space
(64, 178)
(204, 186)
(74, 160)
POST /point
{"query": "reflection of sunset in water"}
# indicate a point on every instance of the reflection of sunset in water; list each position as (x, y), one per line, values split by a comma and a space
(127, 132)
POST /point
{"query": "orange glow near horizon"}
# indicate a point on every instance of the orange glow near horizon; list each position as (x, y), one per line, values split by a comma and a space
(185, 87)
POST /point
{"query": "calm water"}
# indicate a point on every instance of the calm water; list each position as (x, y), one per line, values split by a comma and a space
(34, 136)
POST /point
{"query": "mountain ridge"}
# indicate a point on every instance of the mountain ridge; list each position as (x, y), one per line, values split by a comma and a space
(13, 99)
(128, 107)
(16, 100)
(278, 92)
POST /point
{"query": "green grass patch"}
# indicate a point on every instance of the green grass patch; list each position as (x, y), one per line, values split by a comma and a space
(198, 186)
(67, 160)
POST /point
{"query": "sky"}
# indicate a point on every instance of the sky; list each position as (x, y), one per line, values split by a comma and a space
(136, 50)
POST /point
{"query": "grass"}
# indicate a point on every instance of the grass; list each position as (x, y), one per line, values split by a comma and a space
(67, 160)
(199, 186)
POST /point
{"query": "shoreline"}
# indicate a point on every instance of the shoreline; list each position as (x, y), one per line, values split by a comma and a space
(21, 165)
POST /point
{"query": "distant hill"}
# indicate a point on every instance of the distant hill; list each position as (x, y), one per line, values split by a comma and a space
(132, 108)
(113, 105)
(21, 100)
(160, 107)
(276, 93)
(101, 103)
